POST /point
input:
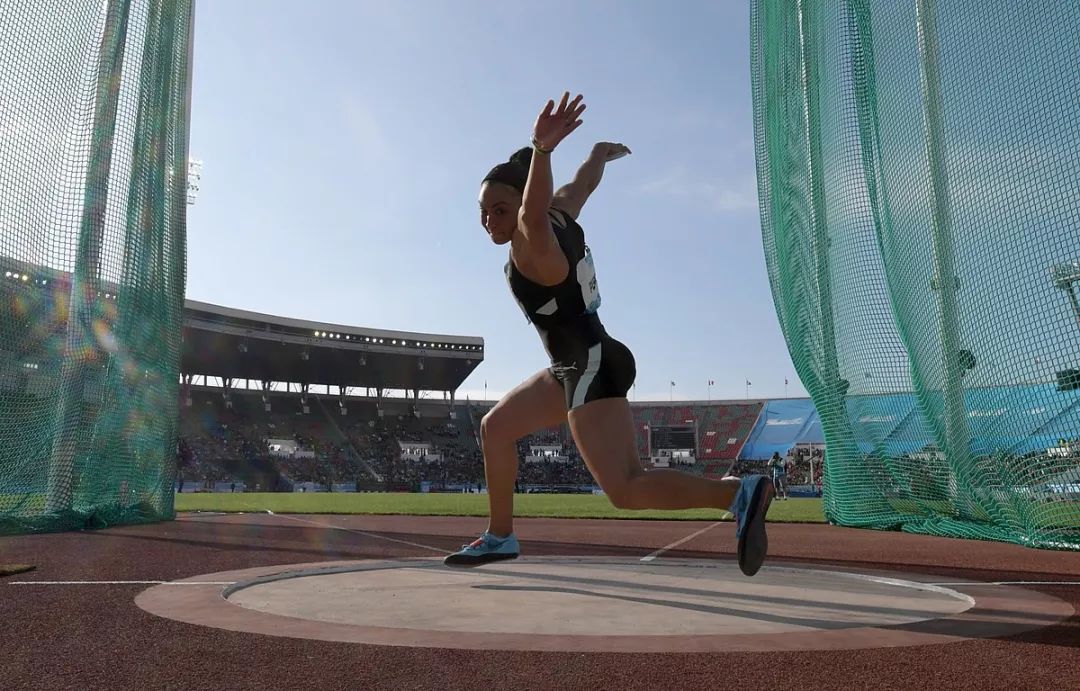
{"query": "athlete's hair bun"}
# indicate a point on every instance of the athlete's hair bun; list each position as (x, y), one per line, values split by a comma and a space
(522, 157)
(515, 171)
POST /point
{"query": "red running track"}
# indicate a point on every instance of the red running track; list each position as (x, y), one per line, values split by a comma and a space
(94, 636)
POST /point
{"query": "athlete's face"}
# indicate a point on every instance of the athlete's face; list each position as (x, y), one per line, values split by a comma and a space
(499, 206)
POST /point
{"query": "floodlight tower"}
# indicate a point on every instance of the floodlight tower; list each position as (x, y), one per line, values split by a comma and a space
(194, 175)
(1067, 277)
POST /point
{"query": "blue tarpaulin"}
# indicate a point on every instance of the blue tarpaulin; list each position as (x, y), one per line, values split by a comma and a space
(1016, 419)
(783, 424)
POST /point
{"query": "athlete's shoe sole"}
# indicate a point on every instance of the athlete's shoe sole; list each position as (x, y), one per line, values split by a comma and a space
(753, 540)
(467, 561)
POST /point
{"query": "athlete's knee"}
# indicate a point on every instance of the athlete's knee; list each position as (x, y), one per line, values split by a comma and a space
(623, 492)
(493, 429)
(487, 428)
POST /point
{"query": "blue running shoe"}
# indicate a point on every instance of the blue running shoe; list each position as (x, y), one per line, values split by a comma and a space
(484, 550)
(750, 506)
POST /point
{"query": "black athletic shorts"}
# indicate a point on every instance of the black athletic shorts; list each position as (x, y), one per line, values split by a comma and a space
(589, 363)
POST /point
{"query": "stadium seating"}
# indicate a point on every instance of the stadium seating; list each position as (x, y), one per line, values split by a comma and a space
(223, 445)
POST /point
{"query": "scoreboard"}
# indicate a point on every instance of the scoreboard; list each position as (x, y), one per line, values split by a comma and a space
(673, 437)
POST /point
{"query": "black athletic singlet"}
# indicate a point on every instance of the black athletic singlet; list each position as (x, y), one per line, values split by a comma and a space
(588, 362)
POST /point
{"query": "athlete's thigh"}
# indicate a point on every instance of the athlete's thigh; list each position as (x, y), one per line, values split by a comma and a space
(537, 403)
(604, 433)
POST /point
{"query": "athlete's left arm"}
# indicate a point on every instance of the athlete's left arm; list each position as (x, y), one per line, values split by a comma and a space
(572, 197)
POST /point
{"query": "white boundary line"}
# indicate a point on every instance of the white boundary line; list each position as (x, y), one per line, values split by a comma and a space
(361, 532)
(121, 582)
(914, 585)
(689, 537)
(1009, 583)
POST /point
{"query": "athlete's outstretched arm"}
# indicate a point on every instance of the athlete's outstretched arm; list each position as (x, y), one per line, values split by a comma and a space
(572, 197)
(551, 127)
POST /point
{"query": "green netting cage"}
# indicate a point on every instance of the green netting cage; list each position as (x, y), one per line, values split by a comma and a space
(919, 181)
(94, 108)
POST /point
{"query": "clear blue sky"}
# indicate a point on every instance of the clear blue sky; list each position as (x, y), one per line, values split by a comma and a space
(343, 144)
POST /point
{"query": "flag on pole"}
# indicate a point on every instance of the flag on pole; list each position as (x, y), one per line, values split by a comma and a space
(785, 381)
(748, 383)
(711, 382)
(673, 383)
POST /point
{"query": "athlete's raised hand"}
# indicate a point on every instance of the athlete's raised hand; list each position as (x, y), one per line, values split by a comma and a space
(554, 124)
(609, 151)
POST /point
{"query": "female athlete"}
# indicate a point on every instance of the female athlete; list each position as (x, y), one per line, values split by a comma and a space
(551, 275)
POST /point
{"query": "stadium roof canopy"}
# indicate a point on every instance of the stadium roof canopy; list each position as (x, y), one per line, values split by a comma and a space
(231, 343)
(236, 344)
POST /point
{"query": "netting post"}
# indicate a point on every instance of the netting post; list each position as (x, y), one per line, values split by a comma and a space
(81, 346)
(956, 433)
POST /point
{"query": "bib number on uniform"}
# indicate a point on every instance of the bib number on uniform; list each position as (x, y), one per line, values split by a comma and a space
(586, 277)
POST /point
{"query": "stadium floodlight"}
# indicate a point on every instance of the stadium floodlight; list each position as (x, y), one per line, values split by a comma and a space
(1066, 276)
(194, 176)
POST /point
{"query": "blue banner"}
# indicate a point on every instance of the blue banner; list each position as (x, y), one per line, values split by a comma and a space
(1013, 419)
(782, 425)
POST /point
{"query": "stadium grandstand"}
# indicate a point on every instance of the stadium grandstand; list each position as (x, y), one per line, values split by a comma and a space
(272, 403)
(285, 439)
